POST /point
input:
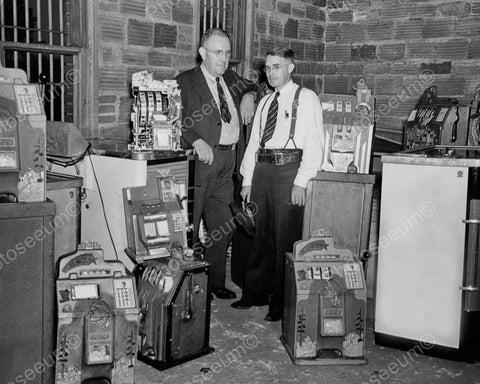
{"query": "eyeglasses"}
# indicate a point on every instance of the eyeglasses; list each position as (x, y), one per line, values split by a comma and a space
(274, 68)
(220, 54)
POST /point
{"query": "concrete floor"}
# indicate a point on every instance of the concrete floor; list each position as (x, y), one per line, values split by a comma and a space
(248, 351)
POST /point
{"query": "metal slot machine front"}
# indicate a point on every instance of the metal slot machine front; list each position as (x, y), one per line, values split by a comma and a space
(436, 121)
(348, 123)
(97, 320)
(155, 219)
(22, 139)
(156, 116)
(325, 305)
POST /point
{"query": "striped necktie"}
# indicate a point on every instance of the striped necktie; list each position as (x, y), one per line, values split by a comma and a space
(271, 121)
(224, 112)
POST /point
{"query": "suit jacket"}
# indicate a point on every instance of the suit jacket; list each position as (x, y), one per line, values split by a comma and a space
(200, 115)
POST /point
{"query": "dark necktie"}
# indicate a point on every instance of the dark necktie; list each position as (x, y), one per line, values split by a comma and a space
(271, 121)
(224, 112)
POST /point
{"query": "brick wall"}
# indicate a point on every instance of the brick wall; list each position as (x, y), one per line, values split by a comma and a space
(298, 24)
(399, 47)
(134, 35)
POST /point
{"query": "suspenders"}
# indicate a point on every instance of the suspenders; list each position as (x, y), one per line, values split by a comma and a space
(293, 121)
(294, 118)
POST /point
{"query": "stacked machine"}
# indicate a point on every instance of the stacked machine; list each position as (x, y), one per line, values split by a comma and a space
(173, 288)
(26, 246)
(325, 296)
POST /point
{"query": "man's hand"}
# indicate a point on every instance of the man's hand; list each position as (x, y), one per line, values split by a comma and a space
(204, 151)
(298, 195)
(245, 193)
(247, 107)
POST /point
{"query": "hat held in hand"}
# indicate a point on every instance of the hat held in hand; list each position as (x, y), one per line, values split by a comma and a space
(244, 217)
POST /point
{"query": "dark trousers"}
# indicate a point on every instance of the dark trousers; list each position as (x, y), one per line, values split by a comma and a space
(211, 202)
(241, 242)
(278, 226)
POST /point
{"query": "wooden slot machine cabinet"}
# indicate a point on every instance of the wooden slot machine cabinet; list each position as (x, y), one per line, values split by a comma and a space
(339, 205)
(175, 317)
(27, 294)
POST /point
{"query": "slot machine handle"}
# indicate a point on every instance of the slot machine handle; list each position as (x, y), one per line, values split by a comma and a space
(453, 139)
(187, 314)
(364, 257)
(44, 80)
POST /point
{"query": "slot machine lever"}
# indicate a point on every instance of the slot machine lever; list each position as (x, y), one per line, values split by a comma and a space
(187, 314)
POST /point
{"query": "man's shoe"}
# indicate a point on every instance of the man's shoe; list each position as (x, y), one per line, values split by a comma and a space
(241, 304)
(224, 293)
(273, 316)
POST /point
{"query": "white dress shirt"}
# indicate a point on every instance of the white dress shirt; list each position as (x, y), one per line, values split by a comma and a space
(309, 133)
(230, 131)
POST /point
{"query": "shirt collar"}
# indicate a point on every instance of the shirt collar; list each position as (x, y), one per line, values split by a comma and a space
(207, 74)
(287, 88)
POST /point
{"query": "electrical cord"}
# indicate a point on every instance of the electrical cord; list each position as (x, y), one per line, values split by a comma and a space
(101, 201)
(59, 160)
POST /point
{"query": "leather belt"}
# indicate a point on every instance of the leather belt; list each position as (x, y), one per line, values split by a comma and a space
(279, 156)
(225, 147)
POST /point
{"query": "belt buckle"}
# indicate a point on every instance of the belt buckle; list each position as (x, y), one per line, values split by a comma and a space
(279, 158)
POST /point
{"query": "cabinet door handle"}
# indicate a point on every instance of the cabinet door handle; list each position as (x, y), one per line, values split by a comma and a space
(470, 289)
(471, 221)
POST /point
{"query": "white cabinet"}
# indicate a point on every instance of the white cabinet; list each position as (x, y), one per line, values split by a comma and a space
(422, 251)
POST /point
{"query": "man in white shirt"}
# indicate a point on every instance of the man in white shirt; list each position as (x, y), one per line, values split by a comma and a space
(279, 161)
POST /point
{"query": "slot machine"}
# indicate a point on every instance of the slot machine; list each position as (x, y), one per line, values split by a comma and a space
(324, 321)
(348, 121)
(436, 121)
(97, 320)
(22, 139)
(155, 218)
(174, 299)
(173, 288)
(474, 122)
(156, 116)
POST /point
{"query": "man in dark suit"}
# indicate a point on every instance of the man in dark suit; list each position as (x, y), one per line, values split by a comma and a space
(216, 102)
